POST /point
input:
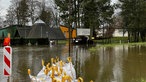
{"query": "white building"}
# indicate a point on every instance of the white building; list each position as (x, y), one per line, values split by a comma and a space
(119, 33)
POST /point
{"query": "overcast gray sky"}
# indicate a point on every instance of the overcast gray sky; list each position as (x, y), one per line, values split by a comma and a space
(4, 4)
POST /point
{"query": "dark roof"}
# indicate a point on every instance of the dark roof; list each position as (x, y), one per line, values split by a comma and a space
(56, 33)
(41, 30)
(23, 31)
(38, 31)
(15, 31)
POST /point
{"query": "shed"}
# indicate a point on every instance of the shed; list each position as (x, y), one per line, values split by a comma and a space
(41, 31)
(16, 31)
(22, 32)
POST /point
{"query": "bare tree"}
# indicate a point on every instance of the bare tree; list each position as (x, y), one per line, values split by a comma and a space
(1, 22)
(11, 16)
(1, 19)
(34, 10)
(23, 11)
(18, 11)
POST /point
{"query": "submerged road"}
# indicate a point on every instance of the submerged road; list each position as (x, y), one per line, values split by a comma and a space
(106, 64)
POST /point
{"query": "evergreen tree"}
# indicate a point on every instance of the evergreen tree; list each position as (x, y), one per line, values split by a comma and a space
(45, 16)
(134, 17)
(90, 13)
(97, 13)
(23, 13)
(65, 7)
(45, 13)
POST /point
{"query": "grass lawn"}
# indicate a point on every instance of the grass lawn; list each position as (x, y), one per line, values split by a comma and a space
(115, 42)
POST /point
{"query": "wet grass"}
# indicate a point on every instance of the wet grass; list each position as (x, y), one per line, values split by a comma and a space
(143, 80)
(115, 44)
(62, 41)
(94, 49)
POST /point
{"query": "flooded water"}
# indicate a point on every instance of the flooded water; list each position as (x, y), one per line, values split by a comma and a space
(107, 64)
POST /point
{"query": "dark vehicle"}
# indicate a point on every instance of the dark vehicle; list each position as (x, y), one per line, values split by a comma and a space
(82, 40)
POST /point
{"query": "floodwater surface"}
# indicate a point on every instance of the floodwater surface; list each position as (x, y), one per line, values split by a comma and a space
(120, 63)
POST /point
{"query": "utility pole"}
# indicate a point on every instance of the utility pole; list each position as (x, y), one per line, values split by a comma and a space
(78, 14)
(69, 9)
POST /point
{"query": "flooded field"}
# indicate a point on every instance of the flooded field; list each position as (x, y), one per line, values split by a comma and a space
(107, 64)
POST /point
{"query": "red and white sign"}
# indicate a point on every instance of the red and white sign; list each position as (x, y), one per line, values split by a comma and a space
(7, 60)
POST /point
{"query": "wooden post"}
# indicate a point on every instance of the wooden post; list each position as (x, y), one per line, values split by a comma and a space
(8, 79)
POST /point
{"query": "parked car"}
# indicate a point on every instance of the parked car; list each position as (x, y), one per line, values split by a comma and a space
(82, 40)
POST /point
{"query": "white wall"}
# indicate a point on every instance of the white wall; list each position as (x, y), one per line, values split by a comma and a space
(119, 33)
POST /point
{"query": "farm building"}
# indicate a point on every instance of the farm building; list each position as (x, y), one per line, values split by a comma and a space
(39, 33)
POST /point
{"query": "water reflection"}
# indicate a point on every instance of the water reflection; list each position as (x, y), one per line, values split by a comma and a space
(107, 64)
(80, 55)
